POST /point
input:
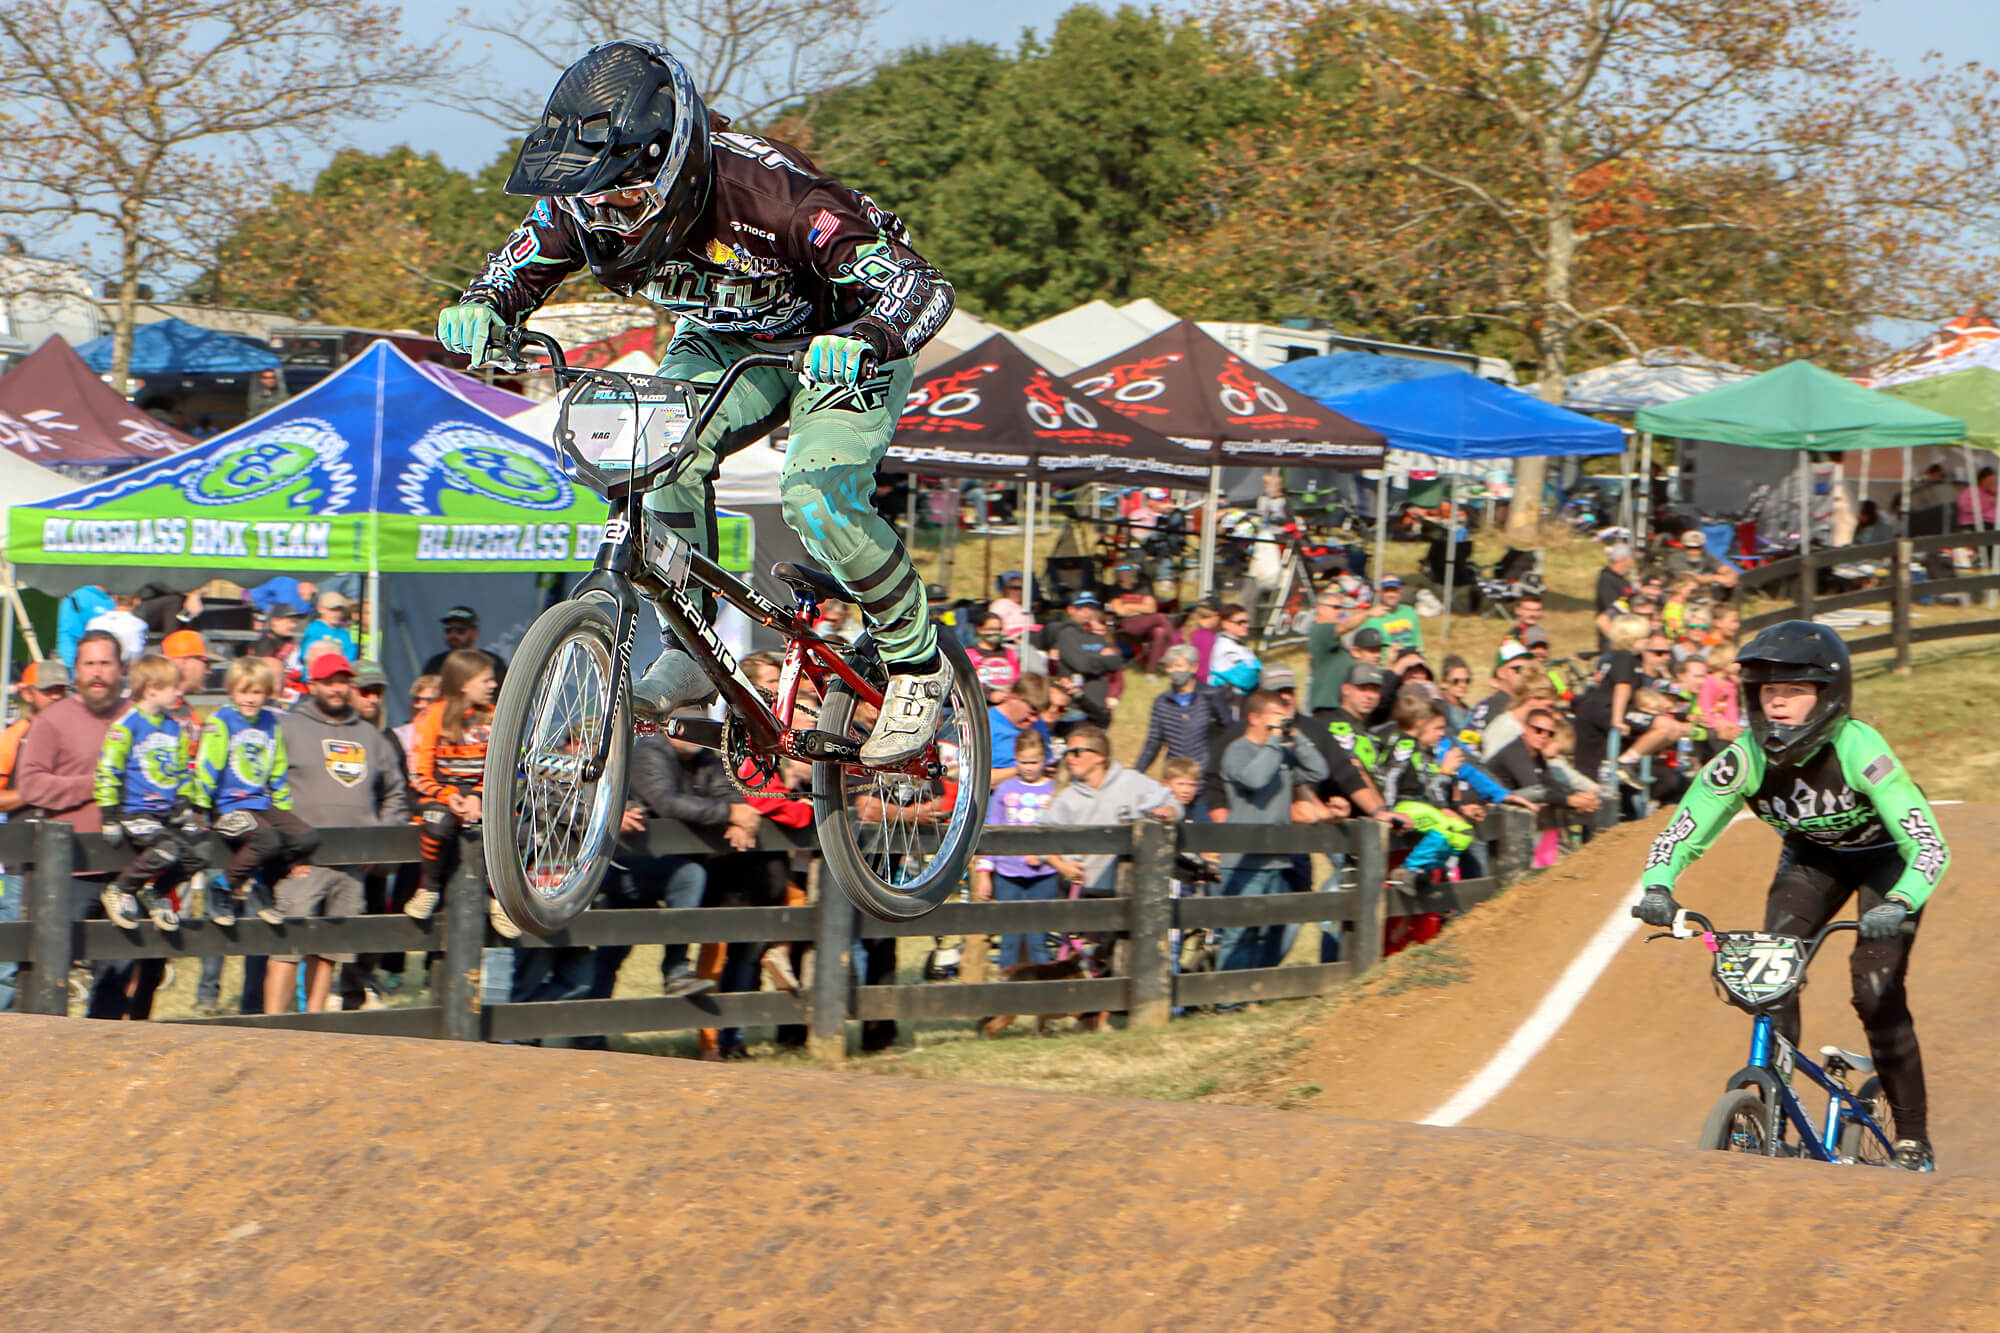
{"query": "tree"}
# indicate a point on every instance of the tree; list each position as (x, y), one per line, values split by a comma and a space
(379, 240)
(1575, 176)
(749, 58)
(144, 119)
(1035, 182)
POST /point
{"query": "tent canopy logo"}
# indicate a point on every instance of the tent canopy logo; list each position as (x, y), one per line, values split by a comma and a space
(462, 457)
(297, 454)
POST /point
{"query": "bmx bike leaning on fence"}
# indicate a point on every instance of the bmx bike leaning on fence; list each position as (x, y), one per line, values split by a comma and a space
(1757, 972)
(897, 839)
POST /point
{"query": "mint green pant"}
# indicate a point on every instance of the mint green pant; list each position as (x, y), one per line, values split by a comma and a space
(827, 485)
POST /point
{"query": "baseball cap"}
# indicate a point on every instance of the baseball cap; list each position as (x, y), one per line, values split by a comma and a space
(464, 613)
(328, 665)
(1278, 676)
(1536, 637)
(369, 672)
(1367, 637)
(330, 599)
(1367, 673)
(1389, 581)
(1085, 598)
(279, 610)
(1511, 650)
(47, 674)
(1155, 493)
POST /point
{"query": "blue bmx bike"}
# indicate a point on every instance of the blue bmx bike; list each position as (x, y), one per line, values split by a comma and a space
(1759, 1111)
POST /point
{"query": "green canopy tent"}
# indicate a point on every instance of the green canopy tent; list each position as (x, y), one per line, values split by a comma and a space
(1802, 407)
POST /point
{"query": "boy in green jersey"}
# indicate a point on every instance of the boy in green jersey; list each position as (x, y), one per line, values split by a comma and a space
(1853, 821)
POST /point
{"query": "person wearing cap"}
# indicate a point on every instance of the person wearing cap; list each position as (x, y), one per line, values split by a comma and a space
(1692, 558)
(1140, 623)
(1260, 771)
(1508, 664)
(41, 684)
(187, 650)
(330, 627)
(371, 685)
(1083, 649)
(1395, 622)
(461, 633)
(280, 639)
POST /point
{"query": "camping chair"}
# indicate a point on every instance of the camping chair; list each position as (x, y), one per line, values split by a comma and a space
(1514, 576)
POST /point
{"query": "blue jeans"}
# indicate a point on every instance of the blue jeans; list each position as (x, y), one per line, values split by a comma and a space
(1239, 947)
(11, 888)
(666, 881)
(1032, 947)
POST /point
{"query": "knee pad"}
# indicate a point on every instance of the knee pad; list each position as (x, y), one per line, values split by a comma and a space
(155, 859)
(236, 824)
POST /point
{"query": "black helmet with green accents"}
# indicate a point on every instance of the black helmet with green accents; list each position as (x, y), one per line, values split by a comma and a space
(1796, 650)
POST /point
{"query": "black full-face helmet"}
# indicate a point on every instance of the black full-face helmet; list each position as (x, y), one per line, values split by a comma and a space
(625, 118)
(1797, 650)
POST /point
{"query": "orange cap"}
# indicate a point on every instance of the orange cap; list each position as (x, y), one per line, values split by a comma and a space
(183, 643)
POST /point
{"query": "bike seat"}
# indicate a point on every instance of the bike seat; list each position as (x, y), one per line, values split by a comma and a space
(1860, 1064)
(816, 584)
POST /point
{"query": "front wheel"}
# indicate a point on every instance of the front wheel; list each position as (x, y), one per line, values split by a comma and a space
(549, 832)
(898, 845)
(1740, 1122)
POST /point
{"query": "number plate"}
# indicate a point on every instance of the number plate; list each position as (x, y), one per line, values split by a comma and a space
(1758, 969)
(666, 552)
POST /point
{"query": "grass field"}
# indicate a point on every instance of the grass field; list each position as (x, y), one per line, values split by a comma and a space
(1931, 716)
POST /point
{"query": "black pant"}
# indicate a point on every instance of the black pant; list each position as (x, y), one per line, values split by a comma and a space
(437, 844)
(278, 841)
(1811, 887)
(163, 857)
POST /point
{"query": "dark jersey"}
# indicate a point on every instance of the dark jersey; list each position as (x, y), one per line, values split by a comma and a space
(782, 254)
(1348, 748)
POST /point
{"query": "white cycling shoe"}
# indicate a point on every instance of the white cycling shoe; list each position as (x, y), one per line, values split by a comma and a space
(672, 683)
(911, 709)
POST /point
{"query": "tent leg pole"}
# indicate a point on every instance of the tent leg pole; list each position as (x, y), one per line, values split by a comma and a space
(1903, 507)
(7, 654)
(1646, 487)
(375, 614)
(1210, 531)
(1381, 525)
(1028, 489)
(1450, 552)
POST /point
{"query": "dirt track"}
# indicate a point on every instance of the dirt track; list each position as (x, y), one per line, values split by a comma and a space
(1647, 1052)
(411, 1184)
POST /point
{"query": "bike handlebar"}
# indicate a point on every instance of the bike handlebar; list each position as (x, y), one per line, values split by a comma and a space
(1683, 918)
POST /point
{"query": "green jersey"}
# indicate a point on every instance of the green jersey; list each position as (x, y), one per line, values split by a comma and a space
(1851, 796)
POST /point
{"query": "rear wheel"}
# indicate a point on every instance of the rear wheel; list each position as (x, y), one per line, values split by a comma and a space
(898, 844)
(1855, 1140)
(1740, 1122)
(549, 833)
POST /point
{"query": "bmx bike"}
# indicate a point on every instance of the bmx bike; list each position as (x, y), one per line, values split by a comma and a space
(1756, 972)
(897, 839)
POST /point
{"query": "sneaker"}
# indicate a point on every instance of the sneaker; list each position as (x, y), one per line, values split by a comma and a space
(779, 969)
(159, 910)
(1914, 1155)
(121, 907)
(1628, 775)
(672, 682)
(423, 904)
(257, 896)
(222, 904)
(686, 984)
(503, 925)
(910, 712)
(1405, 879)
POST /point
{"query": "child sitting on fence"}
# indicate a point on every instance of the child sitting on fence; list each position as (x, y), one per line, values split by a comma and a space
(448, 773)
(143, 781)
(241, 777)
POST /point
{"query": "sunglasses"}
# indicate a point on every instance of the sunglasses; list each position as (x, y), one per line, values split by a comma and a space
(1541, 731)
(1458, 680)
(1076, 750)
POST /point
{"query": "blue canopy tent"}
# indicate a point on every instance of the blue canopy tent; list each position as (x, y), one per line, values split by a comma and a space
(1464, 417)
(175, 347)
(1340, 374)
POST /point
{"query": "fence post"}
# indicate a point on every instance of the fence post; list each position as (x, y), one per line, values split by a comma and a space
(833, 971)
(50, 906)
(1513, 850)
(464, 942)
(1151, 998)
(1899, 606)
(1371, 866)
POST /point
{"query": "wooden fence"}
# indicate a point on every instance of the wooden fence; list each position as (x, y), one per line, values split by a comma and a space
(1798, 577)
(49, 855)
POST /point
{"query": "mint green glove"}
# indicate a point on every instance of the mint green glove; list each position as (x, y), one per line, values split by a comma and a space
(468, 327)
(833, 359)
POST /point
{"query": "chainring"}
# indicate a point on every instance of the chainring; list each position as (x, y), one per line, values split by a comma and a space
(736, 753)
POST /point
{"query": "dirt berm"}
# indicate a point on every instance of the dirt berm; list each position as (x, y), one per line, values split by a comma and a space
(163, 1177)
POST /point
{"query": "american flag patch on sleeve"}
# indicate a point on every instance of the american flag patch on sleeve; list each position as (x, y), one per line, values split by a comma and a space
(1881, 766)
(824, 224)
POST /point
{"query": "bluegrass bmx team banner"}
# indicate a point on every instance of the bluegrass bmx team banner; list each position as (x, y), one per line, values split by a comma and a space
(376, 467)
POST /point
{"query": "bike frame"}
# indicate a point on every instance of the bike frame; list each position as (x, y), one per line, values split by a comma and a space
(1772, 1060)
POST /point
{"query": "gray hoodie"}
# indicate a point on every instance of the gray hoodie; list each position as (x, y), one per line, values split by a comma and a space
(344, 772)
(1124, 798)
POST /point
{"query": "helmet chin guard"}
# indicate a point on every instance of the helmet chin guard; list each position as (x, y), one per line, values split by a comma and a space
(1800, 651)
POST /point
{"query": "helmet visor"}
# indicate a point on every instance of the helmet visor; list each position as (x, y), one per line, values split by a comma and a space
(624, 209)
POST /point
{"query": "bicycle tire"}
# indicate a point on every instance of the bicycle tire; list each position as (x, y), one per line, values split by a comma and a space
(1856, 1142)
(588, 624)
(1739, 1110)
(841, 831)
